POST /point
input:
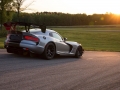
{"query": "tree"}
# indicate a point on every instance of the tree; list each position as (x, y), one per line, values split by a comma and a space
(3, 8)
(17, 6)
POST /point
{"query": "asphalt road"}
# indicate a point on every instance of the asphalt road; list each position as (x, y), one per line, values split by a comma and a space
(93, 71)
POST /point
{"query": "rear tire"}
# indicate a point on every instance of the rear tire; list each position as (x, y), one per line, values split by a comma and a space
(9, 50)
(49, 51)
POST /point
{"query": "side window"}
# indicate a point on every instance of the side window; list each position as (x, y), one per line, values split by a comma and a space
(57, 36)
(51, 34)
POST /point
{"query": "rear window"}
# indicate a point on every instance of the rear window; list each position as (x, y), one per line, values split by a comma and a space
(37, 32)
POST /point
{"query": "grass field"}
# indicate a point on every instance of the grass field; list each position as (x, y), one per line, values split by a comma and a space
(2, 42)
(98, 39)
(95, 39)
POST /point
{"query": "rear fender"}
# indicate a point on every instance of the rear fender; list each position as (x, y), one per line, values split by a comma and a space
(50, 42)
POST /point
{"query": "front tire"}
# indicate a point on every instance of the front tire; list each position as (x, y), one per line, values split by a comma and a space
(79, 52)
(49, 51)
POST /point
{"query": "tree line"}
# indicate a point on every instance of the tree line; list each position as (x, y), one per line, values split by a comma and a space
(9, 7)
(65, 19)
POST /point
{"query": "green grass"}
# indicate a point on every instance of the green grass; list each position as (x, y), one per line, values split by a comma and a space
(95, 39)
(2, 42)
(3, 34)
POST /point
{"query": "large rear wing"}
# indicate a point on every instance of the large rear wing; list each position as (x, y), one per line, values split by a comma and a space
(11, 26)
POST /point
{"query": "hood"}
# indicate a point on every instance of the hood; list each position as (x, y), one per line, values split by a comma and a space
(72, 43)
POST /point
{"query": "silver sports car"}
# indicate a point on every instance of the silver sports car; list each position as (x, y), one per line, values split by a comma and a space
(45, 42)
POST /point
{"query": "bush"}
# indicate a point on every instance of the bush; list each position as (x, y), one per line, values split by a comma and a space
(3, 33)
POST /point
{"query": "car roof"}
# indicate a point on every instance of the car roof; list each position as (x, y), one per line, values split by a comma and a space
(38, 29)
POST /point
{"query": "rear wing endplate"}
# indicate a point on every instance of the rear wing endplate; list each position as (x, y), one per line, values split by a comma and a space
(11, 26)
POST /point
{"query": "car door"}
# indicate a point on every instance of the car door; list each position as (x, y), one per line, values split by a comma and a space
(61, 46)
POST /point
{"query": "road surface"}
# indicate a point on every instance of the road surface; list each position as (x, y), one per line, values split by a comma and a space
(93, 71)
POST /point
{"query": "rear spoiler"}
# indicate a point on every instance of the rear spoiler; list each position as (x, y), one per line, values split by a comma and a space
(11, 26)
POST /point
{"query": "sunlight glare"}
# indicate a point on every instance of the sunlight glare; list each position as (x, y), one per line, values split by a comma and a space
(77, 6)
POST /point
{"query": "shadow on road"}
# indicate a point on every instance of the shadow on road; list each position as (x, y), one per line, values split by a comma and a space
(37, 57)
(11, 62)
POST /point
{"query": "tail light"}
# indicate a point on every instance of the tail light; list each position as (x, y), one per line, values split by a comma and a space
(31, 38)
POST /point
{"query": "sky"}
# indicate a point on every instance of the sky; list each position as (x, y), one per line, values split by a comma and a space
(75, 6)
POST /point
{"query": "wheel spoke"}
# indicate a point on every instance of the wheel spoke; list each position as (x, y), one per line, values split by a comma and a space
(50, 51)
(78, 53)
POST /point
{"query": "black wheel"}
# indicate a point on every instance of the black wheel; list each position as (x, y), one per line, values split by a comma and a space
(9, 50)
(79, 52)
(49, 52)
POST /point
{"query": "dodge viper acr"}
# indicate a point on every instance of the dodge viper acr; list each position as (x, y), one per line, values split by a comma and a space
(48, 43)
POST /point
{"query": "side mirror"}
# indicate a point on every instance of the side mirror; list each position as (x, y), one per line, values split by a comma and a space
(65, 39)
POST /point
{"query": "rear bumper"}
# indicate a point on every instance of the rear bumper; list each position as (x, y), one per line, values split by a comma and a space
(32, 48)
(13, 47)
